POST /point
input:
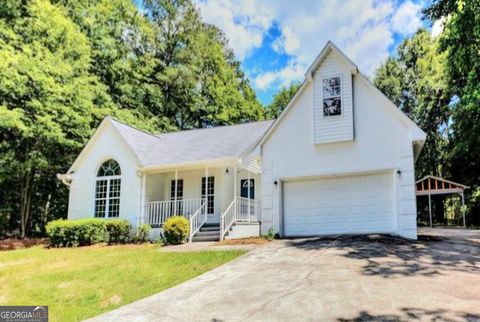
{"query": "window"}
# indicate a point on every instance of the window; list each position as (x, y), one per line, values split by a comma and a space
(107, 190)
(179, 196)
(332, 96)
(210, 194)
(245, 186)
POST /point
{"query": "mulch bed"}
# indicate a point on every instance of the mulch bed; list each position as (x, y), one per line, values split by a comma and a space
(243, 241)
(13, 243)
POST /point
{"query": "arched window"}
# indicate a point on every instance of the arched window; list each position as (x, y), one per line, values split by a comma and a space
(107, 190)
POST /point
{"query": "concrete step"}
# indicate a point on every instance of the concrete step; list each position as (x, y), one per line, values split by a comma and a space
(210, 228)
(208, 233)
(205, 238)
(211, 225)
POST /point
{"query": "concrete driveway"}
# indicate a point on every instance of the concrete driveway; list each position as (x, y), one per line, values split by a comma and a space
(374, 278)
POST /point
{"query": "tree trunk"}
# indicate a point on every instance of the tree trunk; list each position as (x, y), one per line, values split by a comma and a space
(25, 202)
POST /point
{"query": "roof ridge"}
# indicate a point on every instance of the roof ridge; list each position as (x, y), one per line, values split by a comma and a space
(211, 128)
(132, 127)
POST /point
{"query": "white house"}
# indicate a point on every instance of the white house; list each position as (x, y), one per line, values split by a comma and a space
(338, 160)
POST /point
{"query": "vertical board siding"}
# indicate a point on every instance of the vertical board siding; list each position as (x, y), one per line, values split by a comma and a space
(333, 128)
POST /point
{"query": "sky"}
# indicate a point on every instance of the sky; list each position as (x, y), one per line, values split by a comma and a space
(277, 40)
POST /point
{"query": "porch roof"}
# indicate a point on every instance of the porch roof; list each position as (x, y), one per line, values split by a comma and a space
(220, 142)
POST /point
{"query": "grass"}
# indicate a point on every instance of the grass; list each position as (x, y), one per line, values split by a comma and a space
(83, 282)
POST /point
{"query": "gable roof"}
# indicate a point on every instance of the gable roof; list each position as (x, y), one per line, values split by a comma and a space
(222, 142)
(419, 134)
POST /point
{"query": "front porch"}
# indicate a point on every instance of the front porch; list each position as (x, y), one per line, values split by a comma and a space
(214, 199)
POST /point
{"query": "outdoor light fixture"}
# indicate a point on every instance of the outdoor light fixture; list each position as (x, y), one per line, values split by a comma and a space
(226, 171)
(399, 172)
(275, 182)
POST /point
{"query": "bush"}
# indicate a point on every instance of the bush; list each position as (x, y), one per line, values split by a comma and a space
(176, 230)
(73, 233)
(118, 231)
(143, 234)
(269, 235)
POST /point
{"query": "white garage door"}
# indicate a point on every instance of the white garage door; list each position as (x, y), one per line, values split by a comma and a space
(339, 205)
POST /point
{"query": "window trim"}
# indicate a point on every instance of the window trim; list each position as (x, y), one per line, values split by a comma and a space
(107, 198)
(328, 76)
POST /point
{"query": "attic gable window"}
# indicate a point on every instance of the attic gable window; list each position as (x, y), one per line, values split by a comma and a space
(332, 96)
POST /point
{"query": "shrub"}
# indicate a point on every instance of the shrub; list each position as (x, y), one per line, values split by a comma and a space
(118, 231)
(176, 230)
(73, 233)
(269, 235)
(142, 234)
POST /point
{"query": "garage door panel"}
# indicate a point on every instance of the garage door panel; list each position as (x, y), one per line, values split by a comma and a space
(350, 204)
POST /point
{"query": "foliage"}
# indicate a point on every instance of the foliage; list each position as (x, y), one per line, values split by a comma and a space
(142, 234)
(281, 100)
(176, 230)
(66, 64)
(460, 43)
(415, 81)
(269, 235)
(74, 233)
(79, 283)
(118, 231)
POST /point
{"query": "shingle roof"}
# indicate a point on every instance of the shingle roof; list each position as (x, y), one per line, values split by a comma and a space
(191, 145)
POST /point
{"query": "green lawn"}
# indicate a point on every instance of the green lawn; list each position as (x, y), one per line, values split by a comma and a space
(83, 282)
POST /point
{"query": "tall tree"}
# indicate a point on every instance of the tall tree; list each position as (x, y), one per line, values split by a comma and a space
(415, 81)
(49, 102)
(460, 41)
(201, 82)
(121, 41)
(281, 100)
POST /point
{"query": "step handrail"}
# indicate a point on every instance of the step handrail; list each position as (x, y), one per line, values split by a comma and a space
(228, 218)
(197, 220)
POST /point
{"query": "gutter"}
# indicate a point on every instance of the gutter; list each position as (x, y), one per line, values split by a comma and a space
(65, 178)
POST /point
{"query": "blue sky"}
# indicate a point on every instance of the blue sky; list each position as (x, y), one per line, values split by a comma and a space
(276, 40)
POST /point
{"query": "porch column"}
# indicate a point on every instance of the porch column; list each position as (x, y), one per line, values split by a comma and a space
(143, 204)
(430, 209)
(175, 194)
(463, 210)
(248, 195)
(206, 191)
(235, 191)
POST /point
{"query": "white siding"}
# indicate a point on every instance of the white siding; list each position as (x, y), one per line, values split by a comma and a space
(328, 129)
(382, 142)
(108, 145)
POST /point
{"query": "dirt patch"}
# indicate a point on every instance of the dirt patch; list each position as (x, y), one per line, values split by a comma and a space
(243, 241)
(116, 299)
(12, 243)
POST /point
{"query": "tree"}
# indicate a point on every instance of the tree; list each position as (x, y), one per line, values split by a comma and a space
(50, 102)
(200, 80)
(415, 82)
(460, 41)
(121, 41)
(281, 100)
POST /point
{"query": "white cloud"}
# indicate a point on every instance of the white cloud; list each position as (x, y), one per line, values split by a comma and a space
(244, 28)
(279, 78)
(437, 27)
(406, 19)
(364, 29)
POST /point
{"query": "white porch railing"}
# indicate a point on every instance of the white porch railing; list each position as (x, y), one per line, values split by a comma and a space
(197, 220)
(240, 210)
(247, 209)
(159, 211)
